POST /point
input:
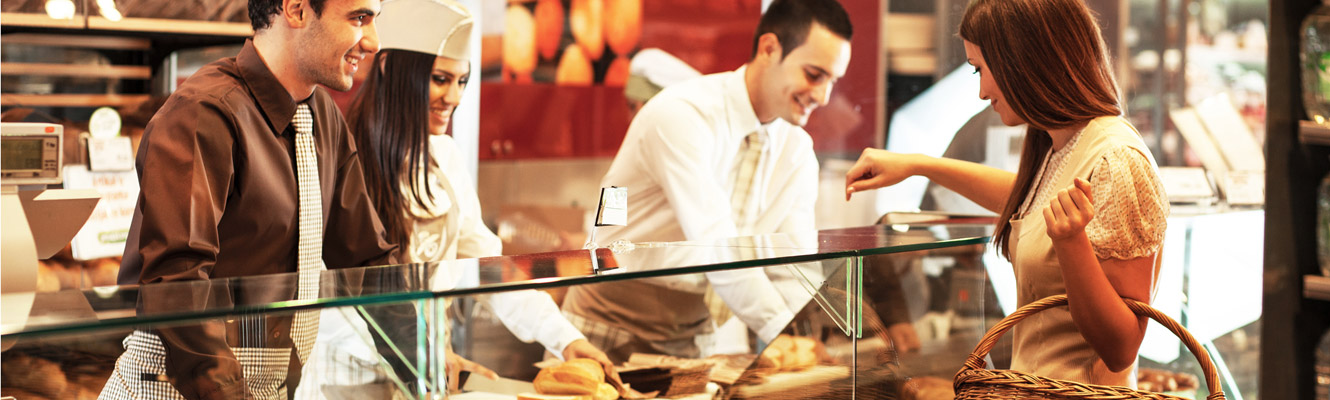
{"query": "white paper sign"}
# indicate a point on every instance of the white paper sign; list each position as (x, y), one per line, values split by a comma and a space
(613, 209)
(110, 154)
(1245, 187)
(1185, 184)
(105, 233)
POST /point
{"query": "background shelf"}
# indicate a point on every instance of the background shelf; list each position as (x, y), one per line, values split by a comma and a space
(1316, 287)
(1313, 133)
(71, 100)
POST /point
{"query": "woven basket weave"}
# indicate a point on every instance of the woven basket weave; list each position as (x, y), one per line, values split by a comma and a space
(973, 382)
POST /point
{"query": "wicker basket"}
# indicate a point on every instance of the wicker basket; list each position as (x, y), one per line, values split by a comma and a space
(973, 382)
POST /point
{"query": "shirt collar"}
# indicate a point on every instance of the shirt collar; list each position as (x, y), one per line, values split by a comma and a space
(743, 119)
(272, 97)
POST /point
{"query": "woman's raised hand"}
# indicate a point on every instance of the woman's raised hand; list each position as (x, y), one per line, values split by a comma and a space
(877, 168)
(1069, 213)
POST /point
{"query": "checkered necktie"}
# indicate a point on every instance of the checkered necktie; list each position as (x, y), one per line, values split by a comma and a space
(309, 251)
(750, 154)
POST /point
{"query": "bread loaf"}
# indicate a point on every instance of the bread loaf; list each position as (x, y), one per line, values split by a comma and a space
(771, 358)
(536, 396)
(592, 368)
(790, 353)
(606, 392)
(582, 378)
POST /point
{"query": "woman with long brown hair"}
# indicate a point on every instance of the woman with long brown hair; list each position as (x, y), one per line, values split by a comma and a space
(1085, 213)
(414, 169)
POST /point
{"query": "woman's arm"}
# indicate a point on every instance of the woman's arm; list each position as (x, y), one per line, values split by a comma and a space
(1095, 287)
(987, 186)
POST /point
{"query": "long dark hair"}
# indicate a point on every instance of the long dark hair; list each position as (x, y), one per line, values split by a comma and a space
(389, 118)
(1049, 59)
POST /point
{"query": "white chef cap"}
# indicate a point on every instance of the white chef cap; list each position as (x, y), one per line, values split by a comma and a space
(652, 70)
(438, 27)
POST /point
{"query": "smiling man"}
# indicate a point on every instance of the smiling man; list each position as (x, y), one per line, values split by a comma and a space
(719, 156)
(248, 169)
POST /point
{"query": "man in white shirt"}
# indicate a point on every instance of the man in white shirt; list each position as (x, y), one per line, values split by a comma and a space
(720, 156)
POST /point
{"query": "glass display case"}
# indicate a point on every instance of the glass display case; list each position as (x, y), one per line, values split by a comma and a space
(877, 311)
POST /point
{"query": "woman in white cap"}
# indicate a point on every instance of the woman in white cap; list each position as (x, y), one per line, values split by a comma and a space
(413, 168)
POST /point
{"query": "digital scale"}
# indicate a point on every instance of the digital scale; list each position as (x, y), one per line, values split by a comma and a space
(38, 222)
(30, 154)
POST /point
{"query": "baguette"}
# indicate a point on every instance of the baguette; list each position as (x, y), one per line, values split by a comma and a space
(537, 396)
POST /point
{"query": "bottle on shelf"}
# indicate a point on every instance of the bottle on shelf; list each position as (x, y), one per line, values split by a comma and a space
(1315, 57)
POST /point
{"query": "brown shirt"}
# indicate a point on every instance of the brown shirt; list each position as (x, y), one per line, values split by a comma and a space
(218, 200)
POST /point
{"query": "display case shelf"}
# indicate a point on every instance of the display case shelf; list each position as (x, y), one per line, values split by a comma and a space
(1316, 287)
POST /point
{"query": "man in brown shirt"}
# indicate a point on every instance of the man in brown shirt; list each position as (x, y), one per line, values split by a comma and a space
(219, 199)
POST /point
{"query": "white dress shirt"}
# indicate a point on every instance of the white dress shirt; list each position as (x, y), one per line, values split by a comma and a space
(679, 160)
(452, 229)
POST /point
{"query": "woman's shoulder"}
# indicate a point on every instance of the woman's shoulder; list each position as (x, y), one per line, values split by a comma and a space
(1112, 133)
(1112, 126)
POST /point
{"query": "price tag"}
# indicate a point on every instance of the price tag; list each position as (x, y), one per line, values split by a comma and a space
(613, 209)
(113, 154)
(1186, 184)
(1245, 187)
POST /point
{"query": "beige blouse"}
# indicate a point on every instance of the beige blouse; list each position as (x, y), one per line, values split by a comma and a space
(1129, 201)
(1129, 222)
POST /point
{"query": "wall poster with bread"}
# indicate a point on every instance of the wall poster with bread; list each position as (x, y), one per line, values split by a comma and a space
(554, 71)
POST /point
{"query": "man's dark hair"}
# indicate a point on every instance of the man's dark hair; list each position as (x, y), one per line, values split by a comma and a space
(261, 12)
(791, 21)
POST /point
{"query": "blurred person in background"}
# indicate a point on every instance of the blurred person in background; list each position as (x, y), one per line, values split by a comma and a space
(651, 71)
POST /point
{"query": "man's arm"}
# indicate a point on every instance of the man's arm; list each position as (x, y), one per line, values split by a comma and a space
(532, 315)
(800, 193)
(796, 200)
(186, 176)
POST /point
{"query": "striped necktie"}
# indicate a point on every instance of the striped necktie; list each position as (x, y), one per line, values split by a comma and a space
(309, 251)
(750, 154)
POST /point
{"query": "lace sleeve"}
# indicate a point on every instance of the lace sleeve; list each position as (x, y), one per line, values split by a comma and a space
(1130, 206)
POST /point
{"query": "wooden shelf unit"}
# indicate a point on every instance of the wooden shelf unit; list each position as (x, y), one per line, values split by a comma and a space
(1316, 287)
(89, 71)
(137, 25)
(71, 100)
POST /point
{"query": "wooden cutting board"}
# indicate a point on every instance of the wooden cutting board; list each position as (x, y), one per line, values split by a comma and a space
(784, 384)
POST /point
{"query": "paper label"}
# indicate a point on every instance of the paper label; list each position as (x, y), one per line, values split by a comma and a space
(110, 154)
(107, 229)
(613, 209)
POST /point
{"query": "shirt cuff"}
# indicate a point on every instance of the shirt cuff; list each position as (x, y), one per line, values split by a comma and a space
(562, 334)
(774, 326)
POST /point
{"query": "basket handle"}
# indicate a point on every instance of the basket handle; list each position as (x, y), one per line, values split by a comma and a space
(976, 358)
